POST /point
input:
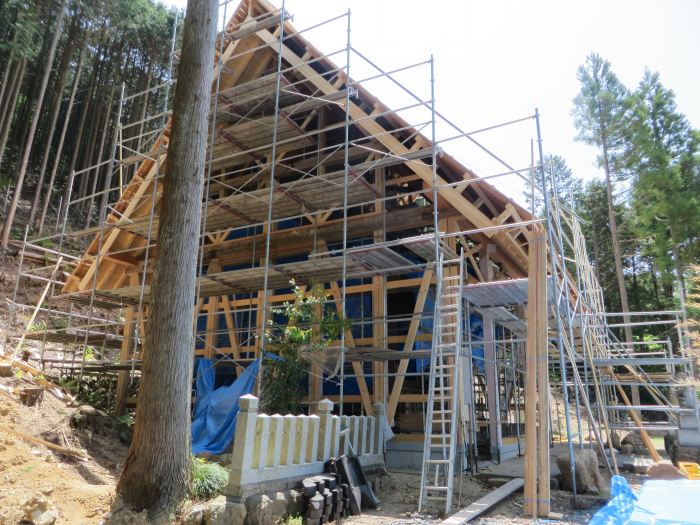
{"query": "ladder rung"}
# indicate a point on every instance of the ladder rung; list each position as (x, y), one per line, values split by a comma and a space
(439, 461)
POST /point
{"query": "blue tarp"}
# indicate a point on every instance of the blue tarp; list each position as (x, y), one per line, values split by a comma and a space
(215, 411)
(660, 502)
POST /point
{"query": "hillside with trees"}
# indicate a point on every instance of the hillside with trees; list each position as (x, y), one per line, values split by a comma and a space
(61, 88)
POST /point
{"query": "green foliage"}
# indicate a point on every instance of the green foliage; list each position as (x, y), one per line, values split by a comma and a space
(95, 391)
(559, 178)
(89, 353)
(126, 420)
(295, 519)
(646, 142)
(600, 109)
(208, 479)
(310, 327)
(37, 326)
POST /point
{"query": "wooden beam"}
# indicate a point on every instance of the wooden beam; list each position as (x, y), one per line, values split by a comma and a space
(350, 343)
(536, 347)
(645, 437)
(361, 119)
(539, 247)
(484, 503)
(408, 345)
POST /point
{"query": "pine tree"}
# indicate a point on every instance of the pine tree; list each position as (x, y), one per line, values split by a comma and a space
(662, 157)
(558, 174)
(600, 113)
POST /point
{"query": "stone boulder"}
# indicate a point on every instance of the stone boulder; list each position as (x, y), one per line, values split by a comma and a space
(635, 439)
(679, 453)
(39, 511)
(295, 503)
(615, 439)
(265, 509)
(588, 477)
(194, 515)
(222, 512)
(627, 449)
(664, 470)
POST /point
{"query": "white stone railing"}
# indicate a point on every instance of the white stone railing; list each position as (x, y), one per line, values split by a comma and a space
(270, 452)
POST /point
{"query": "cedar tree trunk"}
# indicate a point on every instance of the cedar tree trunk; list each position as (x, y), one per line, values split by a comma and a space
(157, 470)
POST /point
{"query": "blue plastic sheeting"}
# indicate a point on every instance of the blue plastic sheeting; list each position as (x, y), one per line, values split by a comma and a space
(477, 334)
(660, 502)
(620, 507)
(215, 411)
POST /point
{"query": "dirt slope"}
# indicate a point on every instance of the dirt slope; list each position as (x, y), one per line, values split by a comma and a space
(81, 490)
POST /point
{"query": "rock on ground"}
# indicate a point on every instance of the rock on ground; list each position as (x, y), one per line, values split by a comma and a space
(588, 477)
(40, 511)
(664, 470)
(264, 509)
(222, 512)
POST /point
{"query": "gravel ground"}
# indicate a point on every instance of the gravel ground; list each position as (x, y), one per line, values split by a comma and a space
(399, 496)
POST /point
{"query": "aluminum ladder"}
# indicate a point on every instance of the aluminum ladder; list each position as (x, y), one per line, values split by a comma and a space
(441, 427)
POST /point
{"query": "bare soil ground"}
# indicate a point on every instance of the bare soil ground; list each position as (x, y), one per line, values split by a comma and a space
(81, 490)
(399, 498)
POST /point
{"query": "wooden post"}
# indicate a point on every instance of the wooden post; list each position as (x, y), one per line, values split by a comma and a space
(536, 371)
(540, 274)
(126, 353)
(490, 360)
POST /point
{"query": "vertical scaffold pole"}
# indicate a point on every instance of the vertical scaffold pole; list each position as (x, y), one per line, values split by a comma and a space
(207, 185)
(557, 313)
(270, 196)
(346, 174)
(567, 309)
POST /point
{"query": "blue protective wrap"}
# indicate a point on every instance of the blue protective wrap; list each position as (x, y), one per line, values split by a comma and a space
(215, 411)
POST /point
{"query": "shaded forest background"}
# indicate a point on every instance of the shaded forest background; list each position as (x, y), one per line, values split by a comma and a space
(63, 64)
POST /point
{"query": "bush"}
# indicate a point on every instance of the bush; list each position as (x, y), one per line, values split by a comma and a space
(208, 479)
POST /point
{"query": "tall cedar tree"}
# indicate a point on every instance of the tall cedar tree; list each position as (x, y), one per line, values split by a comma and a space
(558, 176)
(157, 470)
(599, 115)
(662, 158)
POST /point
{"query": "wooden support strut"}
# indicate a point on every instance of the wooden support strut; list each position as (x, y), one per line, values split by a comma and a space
(535, 369)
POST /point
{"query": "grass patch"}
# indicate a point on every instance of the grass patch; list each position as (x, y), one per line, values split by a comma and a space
(208, 479)
(295, 519)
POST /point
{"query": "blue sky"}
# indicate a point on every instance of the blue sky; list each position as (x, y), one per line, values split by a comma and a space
(497, 60)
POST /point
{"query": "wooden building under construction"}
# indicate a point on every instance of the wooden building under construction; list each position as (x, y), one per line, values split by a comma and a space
(310, 178)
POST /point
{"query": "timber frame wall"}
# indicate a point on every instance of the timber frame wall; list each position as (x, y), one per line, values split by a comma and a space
(310, 177)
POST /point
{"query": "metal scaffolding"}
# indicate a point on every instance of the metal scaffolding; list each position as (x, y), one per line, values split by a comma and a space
(310, 178)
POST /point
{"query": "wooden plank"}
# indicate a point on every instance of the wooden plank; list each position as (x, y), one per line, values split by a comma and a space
(408, 345)
(538, 246)
(483, 504)
(231, 326)
(26, 437)
(530, 465)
